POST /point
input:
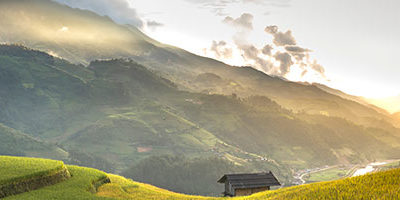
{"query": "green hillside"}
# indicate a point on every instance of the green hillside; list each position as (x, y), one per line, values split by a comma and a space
(87, 183)
(16, 143)
(14, 169)
(19, 175)
(85, 42)
(115, 114)
(380, 185)
(47, 179)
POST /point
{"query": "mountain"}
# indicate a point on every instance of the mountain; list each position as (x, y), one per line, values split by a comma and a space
(358, 99)
(81, 37)
(115, 114)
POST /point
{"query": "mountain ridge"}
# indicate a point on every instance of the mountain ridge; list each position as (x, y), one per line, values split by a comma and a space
(117, 111)
(177, 65)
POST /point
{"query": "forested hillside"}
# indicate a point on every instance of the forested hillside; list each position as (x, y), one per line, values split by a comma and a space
(114, 114)
(85, 42)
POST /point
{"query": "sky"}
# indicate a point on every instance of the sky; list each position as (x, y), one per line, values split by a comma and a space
(350, 45)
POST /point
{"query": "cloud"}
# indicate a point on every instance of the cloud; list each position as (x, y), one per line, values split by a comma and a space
(283, 50)
(221, 50)
(318, 68)
(296, 49)
(285, 61)
(281, 38)
(118, 10)
(279, 58)
(249, 51)
(152, 25)
(267, 50)
(251, 54)
(298, 52)
(245, 21)
(271, 29)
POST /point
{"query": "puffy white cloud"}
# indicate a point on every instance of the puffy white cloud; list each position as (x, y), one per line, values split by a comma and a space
(221, 50)
(244, 22)
(267, 50)
(281, 38)
(271, 29)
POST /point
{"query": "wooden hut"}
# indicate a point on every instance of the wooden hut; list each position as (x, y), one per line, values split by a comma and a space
(247, 184)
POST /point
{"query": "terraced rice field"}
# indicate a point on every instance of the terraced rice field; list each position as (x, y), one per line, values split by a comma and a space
(92, 184)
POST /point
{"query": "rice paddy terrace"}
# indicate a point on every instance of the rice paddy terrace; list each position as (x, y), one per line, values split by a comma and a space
(18, 175)
(34, 179)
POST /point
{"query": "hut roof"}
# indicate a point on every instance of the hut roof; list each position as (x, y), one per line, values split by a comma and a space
(254, 180)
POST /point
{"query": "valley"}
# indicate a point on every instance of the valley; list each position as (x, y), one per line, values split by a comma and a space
(106, 96)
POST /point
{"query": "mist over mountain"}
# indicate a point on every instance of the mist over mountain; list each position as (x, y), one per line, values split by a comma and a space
(80, 88)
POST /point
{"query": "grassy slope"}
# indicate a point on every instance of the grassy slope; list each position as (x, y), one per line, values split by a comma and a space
(14, 169)
(380, 185)
(79, 186)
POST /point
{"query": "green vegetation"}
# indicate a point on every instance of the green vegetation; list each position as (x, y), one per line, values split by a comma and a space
(16, 143)
(81, 185)
(381, 185)
(91, 184)
(178, 173)
(15, 169)
(122, 188)
(189, 71)
(19, 175)
(328, 174)
(116, 113)
(158, 99)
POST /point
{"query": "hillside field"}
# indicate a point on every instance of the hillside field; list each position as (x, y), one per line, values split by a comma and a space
(14, 169)
(87, 183)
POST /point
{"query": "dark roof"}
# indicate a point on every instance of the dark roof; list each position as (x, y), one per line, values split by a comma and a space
(254, 180)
